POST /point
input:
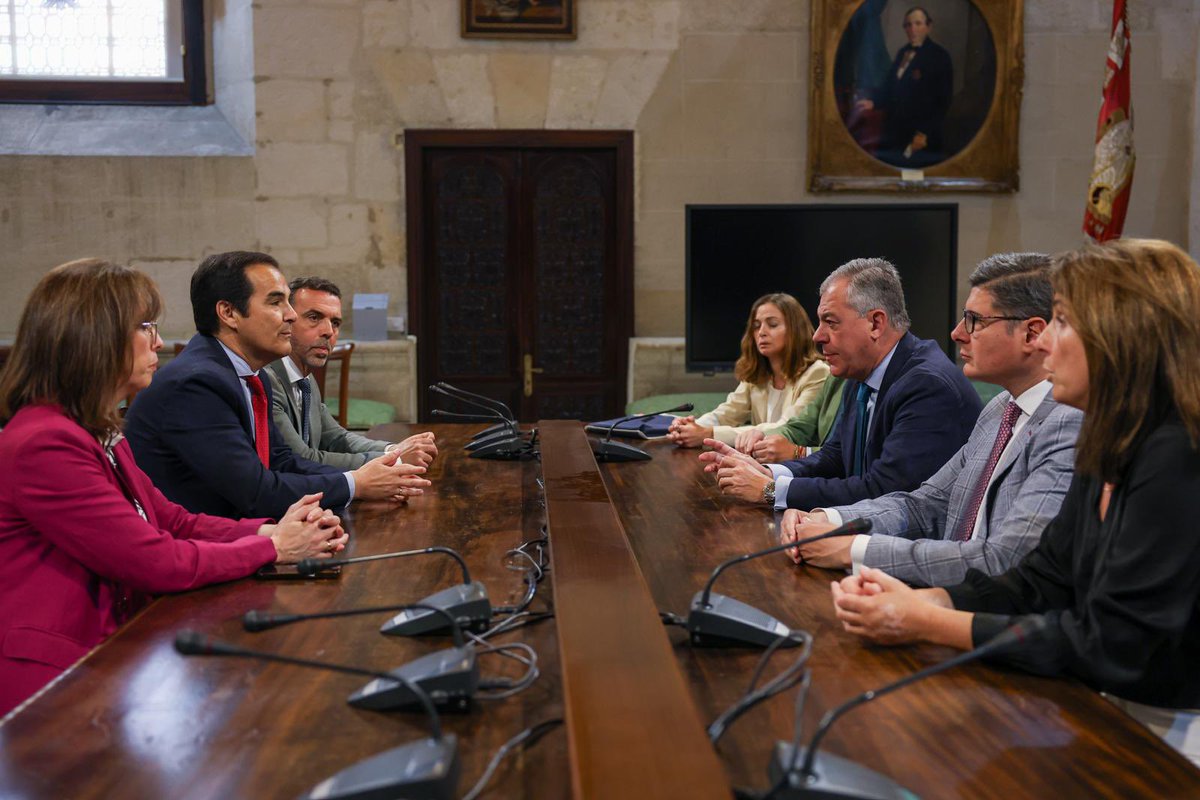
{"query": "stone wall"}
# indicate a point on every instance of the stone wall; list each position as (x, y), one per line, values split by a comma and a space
(715, 91)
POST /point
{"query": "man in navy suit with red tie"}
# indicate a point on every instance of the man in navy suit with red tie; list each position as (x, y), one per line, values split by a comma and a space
(906, 408)
(203, 432)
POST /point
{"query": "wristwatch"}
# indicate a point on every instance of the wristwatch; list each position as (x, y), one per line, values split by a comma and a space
(768, 494)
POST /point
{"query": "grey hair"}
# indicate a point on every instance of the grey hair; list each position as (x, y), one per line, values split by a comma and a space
(1019, 284)
(872, 283)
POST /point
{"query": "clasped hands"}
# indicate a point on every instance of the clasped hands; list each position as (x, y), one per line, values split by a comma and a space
(306, 531)
(420, 449)
(885, 610)
(832, 553)
(384, 478)
(738, 474)
(684, 432)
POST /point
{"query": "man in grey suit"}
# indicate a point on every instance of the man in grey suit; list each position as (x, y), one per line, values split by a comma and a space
(295, 397)
(989, 504)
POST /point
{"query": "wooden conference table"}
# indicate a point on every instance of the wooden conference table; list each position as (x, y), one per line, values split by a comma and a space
(136, 720)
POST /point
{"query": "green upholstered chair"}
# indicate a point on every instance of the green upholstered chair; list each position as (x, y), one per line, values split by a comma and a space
(363, 414)
(351, 412)
(703, 402)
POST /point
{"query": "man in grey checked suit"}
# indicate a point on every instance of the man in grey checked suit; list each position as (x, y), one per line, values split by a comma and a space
(989, 504)
(318, 306)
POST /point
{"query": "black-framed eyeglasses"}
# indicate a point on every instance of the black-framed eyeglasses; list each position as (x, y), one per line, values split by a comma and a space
(150, 328)
(971, 320)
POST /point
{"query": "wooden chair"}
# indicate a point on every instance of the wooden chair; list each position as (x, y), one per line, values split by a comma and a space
(341, 353)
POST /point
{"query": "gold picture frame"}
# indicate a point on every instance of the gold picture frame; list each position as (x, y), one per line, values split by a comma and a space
(855, 145)
(518, 19)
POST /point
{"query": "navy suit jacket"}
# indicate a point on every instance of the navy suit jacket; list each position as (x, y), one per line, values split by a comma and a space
(924, 413)
(192, 433)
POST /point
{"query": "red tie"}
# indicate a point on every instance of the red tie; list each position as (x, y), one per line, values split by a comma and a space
(258, 402)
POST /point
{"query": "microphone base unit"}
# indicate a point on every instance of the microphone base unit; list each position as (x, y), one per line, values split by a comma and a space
(504, 435)
(422, 770)
(449, 677)
(731, 623)
(617, 452)
(466, 602)
(492, 429)
(833, 778)
(507, 449)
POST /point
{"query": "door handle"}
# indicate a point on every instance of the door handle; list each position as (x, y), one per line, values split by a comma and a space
(529, 370)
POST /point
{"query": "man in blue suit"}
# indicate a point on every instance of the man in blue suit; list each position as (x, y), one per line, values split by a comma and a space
(905, 409)
(988, 505)
(203, 432)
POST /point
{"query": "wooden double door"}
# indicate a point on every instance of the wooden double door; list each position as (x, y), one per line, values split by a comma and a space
(520, 268)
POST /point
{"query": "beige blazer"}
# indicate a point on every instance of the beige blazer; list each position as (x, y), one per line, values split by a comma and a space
(746, 406)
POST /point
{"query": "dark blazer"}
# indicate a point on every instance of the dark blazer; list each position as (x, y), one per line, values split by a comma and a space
(1120, 598)
(918, 101)
(924, 413)
(192, 433)
(77, 560)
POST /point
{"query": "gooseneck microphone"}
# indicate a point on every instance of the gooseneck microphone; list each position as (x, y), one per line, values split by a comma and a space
(503, 441)
(311, 566)
(717, 620)
(437, 412)
(833, 776)
(463, 393)
(466, 602)
(426, 768)
(608, 450)
(449, 677)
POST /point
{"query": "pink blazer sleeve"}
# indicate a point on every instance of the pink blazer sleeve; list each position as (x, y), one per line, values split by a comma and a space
(65, 488)
(172, 517)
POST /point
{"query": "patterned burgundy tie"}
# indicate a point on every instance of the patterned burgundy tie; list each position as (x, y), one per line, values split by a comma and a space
(967, 523)
(258, 402)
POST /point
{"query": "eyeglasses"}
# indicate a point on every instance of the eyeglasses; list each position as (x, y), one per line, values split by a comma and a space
(971, 320)
(150, 328)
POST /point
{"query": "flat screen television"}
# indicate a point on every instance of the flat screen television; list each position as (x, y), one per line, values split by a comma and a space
(736, 254)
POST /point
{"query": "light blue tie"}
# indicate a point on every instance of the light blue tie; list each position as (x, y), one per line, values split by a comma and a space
(305, 405)
(860, 445)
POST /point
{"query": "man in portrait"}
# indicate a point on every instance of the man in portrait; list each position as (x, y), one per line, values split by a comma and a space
(914, 97)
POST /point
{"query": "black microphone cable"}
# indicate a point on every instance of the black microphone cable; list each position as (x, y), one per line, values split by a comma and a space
(534, 573)
(795, 673)
(504, 687)
(521, 741)
(500, 688)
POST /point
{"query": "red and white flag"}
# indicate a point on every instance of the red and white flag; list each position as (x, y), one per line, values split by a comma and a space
(1112, 165)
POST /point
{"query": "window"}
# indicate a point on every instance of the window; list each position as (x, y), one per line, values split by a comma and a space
(102, 51)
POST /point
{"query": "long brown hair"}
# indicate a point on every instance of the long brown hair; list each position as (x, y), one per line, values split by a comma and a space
(72, 346)
(799, 352)
(1135, 304)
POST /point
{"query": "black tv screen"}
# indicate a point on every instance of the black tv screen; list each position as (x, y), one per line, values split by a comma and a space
(736, 254)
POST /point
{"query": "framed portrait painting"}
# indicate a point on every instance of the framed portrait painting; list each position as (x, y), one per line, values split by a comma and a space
(915, 97)
(518, 19)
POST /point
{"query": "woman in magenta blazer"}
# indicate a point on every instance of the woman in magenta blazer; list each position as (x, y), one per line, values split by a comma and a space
(85, 538)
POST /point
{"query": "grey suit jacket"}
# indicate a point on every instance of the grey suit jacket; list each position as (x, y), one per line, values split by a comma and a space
(911, 530)
(336, 446)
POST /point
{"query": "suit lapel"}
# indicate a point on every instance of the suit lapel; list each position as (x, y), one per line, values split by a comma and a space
(896, 368)
(208, 347)
(315, 427)
(1027, 433)
(281, 372)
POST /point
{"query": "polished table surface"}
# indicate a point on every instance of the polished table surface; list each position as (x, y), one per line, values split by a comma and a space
(135, 719)
(979, 731)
